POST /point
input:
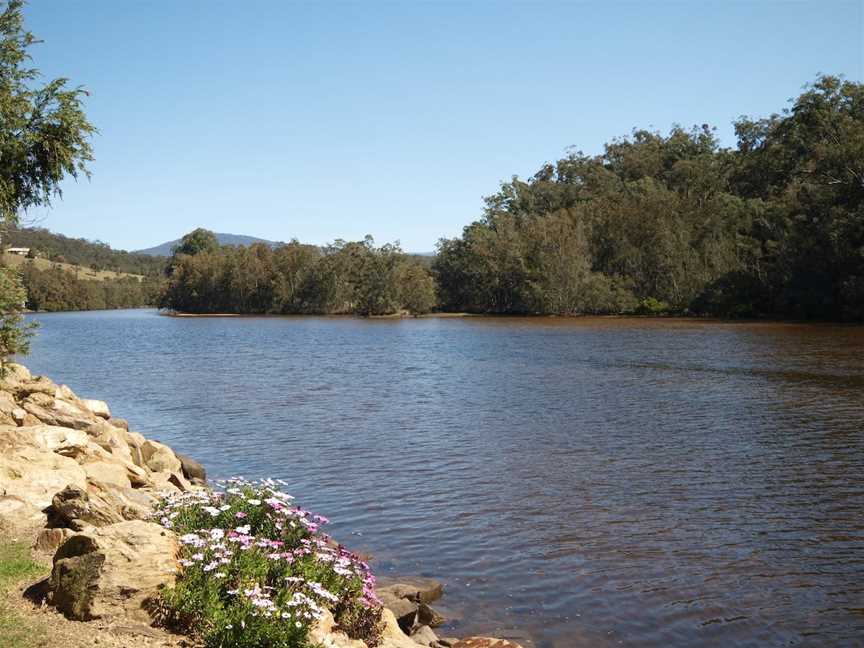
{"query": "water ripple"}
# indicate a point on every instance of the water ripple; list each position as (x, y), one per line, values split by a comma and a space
(593, 482)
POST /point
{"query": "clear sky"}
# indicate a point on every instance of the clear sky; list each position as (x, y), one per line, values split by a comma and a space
(332, 120)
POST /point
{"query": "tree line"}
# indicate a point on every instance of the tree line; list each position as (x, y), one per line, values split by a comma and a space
(656, 224)
(677, 224)
(354, 277)
(56, 289)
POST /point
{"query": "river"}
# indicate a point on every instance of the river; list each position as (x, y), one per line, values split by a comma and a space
(576, 482)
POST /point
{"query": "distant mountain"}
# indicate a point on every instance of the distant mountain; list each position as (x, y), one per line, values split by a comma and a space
(164, 249)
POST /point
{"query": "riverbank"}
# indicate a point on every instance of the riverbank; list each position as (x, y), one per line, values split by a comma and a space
(335, 315)
(670, 319)
(82, 490)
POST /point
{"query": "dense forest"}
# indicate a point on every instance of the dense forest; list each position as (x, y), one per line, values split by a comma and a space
(656, 224)
(677, 224)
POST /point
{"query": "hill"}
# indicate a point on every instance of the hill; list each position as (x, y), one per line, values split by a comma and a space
(164, 249)
(80, 252)
(80, 272)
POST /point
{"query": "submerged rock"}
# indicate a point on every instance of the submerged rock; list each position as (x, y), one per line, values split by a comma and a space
(415, 588)
(408, 599)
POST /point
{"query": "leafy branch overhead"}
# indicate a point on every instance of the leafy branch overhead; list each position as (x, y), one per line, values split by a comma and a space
(44, 133)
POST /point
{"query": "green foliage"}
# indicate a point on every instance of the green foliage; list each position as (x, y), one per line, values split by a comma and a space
(345, 277)
(14, 334)
(675, 224)
(91, 254)
(197, 241)
(656, 224)
(416, 289)
(16, 566)
(44, 134)
(57, 289)
(44, 137)
(258, 572)
(652, 306)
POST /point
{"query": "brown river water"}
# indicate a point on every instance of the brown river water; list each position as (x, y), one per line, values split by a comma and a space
(573, 482)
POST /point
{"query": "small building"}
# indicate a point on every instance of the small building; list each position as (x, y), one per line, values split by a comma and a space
(20, 251)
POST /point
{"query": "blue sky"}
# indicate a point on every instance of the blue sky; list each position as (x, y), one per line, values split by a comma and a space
(333, 120)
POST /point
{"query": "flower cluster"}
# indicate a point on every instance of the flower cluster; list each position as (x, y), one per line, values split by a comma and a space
(256, 567)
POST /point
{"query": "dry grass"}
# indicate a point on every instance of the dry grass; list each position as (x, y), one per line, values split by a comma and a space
(82, 272)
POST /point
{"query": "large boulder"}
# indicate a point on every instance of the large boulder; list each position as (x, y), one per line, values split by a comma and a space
(35, 385)
(107, 472)
(113, 440)
(115, 571)
(97, 407)
(102, 466)
(31, 474)
(60, 413)
(416, 588)
(192, 470)
(121, 423)
(57, 439)
(403, 610)
(98, 504)
(135, 442)
(160, 458)
(408, 599)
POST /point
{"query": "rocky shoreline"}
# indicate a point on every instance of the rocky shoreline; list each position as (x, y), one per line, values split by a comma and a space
(84, 488)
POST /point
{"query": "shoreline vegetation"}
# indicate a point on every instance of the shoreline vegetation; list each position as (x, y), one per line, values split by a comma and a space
(136, 548)
(657, 224)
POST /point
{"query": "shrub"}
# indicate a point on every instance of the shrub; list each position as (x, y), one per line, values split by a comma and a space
(257, 571)
(653, 306)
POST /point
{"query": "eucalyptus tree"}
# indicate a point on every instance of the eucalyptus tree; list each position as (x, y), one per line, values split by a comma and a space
(44, 138)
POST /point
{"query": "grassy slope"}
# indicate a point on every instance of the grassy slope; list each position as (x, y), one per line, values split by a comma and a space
(82, 272)
(16, 569)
